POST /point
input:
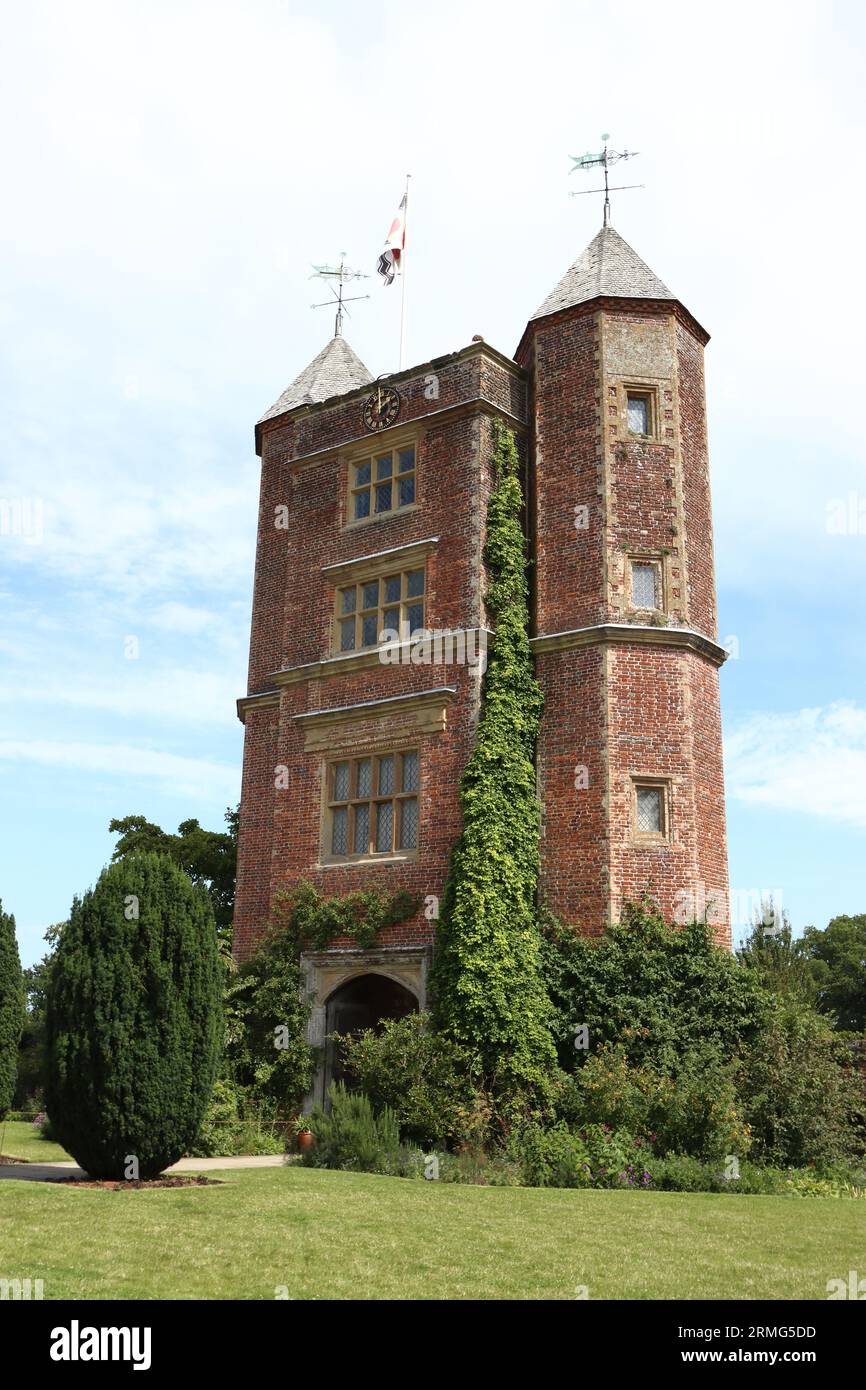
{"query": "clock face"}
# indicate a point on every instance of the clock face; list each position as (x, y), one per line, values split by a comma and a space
(382, 408)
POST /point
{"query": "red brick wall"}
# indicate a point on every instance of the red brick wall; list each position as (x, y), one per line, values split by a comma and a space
(575, 841)
(280, 829)
(696, 481)
(623, 709)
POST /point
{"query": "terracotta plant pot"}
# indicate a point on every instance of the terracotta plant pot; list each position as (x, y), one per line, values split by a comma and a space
(305, 1140)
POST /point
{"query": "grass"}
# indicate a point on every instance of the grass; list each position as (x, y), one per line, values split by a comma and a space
(326, 1235)
(19, 1139)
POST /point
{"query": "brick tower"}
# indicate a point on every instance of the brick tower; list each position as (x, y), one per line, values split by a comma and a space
(371, 532)
(630, 753)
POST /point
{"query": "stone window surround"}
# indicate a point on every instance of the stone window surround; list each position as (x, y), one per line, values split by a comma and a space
(395, 855)
(660, 561)
(646, 838)
(650, 393)
(390, 441)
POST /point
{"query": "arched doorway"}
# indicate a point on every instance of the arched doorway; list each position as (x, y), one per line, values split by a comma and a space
(363, 1002)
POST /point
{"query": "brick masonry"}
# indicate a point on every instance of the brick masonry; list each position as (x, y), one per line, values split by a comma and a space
(625, 696)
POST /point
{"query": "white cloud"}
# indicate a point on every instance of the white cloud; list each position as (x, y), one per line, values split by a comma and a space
(812, 761)
(171, 695)
(185, 776)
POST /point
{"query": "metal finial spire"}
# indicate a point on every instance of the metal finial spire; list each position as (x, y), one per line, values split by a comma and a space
(603, 161)
(342, 274)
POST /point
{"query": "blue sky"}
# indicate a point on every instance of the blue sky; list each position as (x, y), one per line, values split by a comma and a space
(171, 171)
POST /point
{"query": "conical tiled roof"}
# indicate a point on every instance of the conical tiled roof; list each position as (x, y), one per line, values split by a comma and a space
(336, 370)
(609, 267)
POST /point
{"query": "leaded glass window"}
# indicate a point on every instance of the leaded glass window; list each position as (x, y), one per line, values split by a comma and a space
(645, 585)
(392, 604)
(383, 484)
(373, 805)
(649, 810)
(639, 414)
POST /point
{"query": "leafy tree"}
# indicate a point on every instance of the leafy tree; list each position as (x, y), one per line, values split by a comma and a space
(208, 856)
(837, 963)
(659, 990)
(32, 1057)
(801, 1092)
(134, 1019)
(777, 960)
(11, 1008)
(488, 991)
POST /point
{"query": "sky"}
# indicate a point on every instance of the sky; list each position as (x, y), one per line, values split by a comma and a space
(171, 173)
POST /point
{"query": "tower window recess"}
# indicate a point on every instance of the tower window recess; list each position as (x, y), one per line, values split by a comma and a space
(639, 410)
(646, 584)
(650, 811)
(393, 604)
(372, 806)
(381, 484)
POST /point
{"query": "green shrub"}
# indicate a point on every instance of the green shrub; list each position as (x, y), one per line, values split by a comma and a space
(232, 1125)
(350, 1135)
(134, 1019)
(660, 991)
(423, 1076)
(697, 1112)
(595, 1156)
(802, 1095)
(11, 1009)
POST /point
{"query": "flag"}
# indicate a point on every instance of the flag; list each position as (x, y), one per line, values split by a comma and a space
(395, 241)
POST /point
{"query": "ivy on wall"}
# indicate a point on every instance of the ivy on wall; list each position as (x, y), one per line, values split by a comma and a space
(487, 984)
(266, 1047)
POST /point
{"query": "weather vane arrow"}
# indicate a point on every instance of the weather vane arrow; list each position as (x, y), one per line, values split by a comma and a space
(603, 160)
(341, 274)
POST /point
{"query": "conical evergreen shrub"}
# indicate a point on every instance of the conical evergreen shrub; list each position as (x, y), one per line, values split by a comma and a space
(11, 1008)
(134, 1019)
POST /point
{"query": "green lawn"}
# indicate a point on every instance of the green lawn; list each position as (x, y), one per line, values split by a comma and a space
(19, 1139)
(344, 1235)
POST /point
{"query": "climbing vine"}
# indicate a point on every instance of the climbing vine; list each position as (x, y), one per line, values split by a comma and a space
(487, 983)
(266, 1047)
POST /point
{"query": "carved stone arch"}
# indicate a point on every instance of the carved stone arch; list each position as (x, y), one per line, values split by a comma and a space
(325, 973)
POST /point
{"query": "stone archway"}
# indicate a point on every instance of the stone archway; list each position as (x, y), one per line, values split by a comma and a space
(362, 1002)
(396, 985)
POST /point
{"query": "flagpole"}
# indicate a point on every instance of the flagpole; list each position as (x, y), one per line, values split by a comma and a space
(403, 280)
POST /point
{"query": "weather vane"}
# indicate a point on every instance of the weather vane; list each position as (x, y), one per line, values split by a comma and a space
(603, 161)
(342, 275)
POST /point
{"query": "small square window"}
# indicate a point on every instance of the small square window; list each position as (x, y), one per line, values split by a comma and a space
(382, 484)
(650, 811)
(639, 409)
(645, 585)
